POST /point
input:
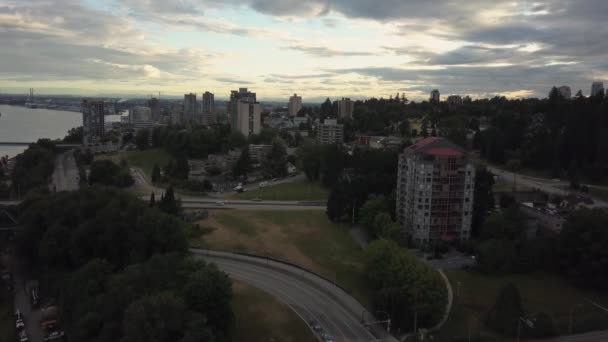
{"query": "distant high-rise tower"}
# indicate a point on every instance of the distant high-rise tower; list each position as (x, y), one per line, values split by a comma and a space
(565, 92)
(345, 108)
(596, 88)
(295, 104)
(208, 108)
(93, 122)
(155, 108)
(435, 96)
(244, 112)
(190, 109)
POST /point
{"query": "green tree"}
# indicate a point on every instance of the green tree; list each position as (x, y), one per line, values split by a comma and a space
(160, 317)
(142, 139)
(332, 164)
(156, 174)
(309, 156)
(169, 204)
(483, 198)
(74, 136)
(210, 291)
(243, 165)
(583, 248)
(105, 172)
(276, 160)
(374, 205)
(497, 256)
(403, 286)
(504, 315)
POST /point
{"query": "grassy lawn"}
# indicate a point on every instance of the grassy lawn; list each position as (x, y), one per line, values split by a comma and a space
(261, 318)
(303, 237)
(502, 185)
(541, 292)
(304, 191)
(144, 160)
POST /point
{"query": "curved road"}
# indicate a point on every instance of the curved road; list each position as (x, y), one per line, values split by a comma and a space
(311, 297)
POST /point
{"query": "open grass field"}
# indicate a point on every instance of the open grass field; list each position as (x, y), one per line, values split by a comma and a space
(143, 160)
(261, 318)
(294, 191)
(541, 292)
(303, 237)
(502, 185)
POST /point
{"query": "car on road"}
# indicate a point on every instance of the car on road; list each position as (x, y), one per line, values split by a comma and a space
(263, 184)
(19, 323)
(220, 203)
(315, 326)
(23, 336)
(327, 338)
(55, 336)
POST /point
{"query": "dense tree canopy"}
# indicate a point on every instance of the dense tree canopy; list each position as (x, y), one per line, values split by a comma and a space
(120, 269)
(34, 167)
(105, 172)
(404, 286)
(583, 248)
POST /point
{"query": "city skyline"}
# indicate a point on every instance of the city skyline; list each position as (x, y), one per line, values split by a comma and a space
(317, 48)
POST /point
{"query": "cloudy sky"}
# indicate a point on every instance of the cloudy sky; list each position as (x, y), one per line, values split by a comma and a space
(317, 48)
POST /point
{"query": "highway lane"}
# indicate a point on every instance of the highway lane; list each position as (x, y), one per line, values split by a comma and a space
(65, 176)
(310, 302)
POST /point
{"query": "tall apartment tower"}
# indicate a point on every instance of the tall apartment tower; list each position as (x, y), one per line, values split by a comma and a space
(208, 108)
(93, 122)
(190, 109)
(330, 132)
(596, 88)
(435, 189)
(435, 96)
(295, 104)
(155, 109)
(345, 108)
(245, 112)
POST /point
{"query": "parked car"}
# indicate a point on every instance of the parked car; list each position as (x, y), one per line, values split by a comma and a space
(263, 184)
(220, 203)
(23, 336)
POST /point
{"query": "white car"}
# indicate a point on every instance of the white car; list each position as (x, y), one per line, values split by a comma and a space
(220, 203)
(23, 337)
(19, 324)
(263, 184)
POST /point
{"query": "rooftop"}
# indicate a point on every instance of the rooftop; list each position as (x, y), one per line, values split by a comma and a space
(436, 146)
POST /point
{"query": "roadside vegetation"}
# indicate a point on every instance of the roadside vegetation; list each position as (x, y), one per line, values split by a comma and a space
(259, 317)
(34, 167)
(303, 237)
(476, 293)
(120, 270)
(290, 191)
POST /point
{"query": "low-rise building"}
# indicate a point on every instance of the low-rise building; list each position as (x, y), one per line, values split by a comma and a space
(259, 152)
